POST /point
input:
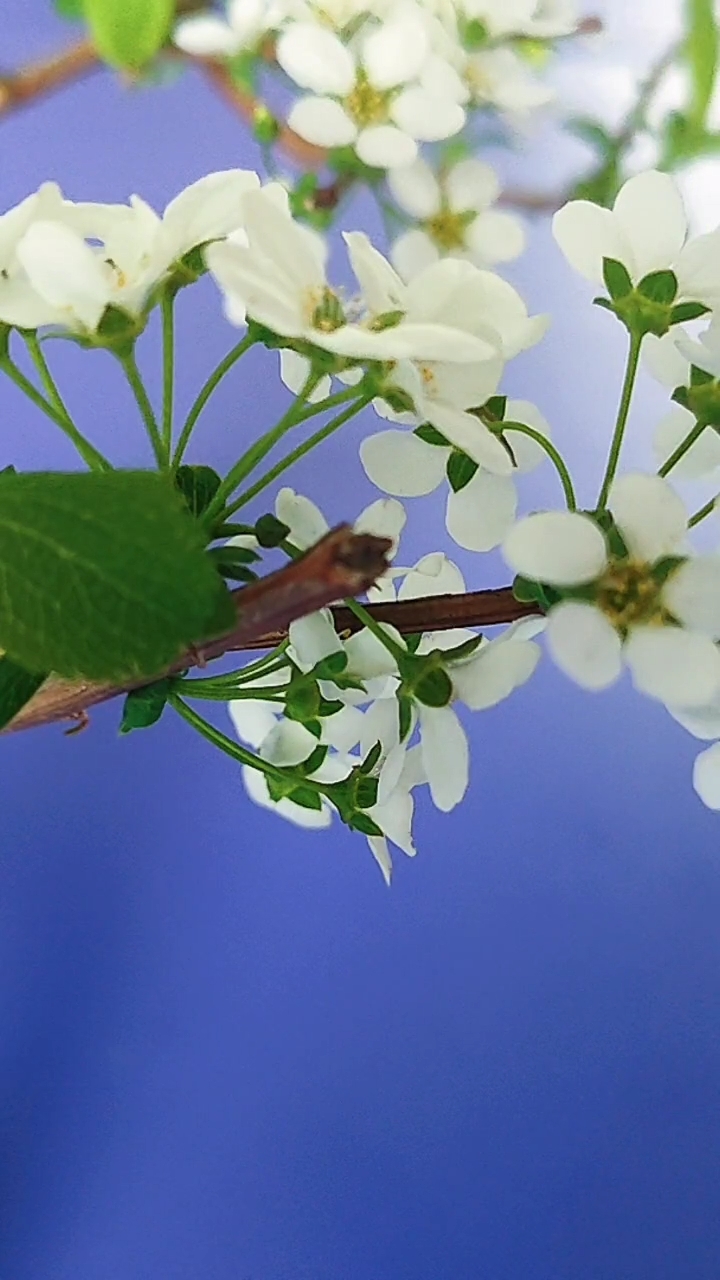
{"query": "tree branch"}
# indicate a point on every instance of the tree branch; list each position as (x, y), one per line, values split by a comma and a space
(342, 564)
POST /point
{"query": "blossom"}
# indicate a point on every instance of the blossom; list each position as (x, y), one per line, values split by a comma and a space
(453, 210)
(540, 19)
(370, 93)
(662, 619)
(206, 35)
(646, 230)
(479, 514)
(500, 78)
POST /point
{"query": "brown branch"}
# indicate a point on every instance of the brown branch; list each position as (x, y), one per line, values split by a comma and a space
(47, 74)
(342, 564)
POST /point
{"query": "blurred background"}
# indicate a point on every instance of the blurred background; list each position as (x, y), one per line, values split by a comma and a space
(228, 1051)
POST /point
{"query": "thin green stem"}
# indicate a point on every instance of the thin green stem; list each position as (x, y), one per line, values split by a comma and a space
(198, 689)
(233, 749)
(702, 512)
(683, 448)
(294, 456)
(168, 336)
(622, 417)
(553, 454)
(363, 615)
(89, 454)
(205, 393)
(147, 413)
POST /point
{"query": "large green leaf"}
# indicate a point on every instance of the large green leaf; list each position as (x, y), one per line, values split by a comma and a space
(702, 55)
(102, 574)
(129, 33)
(17, 687)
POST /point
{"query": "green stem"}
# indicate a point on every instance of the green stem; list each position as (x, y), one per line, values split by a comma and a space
(707, 510)
(89, 454)
(147, 413)
(684, 446)
(295, 455)
(363, 615)
(233, 749)
(622, 417)
(168, 335)
(259, 450)
(554, 455)
(205, 393)
(199, 689)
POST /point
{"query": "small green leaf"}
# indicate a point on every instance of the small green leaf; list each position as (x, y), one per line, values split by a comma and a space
(17, 687)
(431, 435)
(102, 574)
(145, 706)
(129, 33)
(701, 50)
(617, 279)
(659, 286)
(73, 10)
(270, 532)
(232, 562)
(460, 470)
(364, 823)
(198, 486)
(685, 311)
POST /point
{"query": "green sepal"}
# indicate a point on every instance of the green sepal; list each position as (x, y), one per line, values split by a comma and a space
(333, 664)
(496, 408)
(270, 532)
(683, 312)
(405, 715)
(366, 791)
(464, 650)
(364, 823)
(371, 759)
(329, 707)
(413, 642)
(198, 486)
(144, 707)
(660, 287)
(434, 688)
(290, 789)
(460, 470)
(664, 568)
(431, 435)
(617, 279)
(314, 760)
(17, 687)
(699, 377)
(302, 700)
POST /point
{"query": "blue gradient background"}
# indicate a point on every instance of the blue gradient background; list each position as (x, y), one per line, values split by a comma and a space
(226, 1050)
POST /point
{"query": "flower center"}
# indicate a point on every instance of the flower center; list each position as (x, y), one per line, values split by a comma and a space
(447, 229)
(325, 310)
(366, 105)
(629, 596)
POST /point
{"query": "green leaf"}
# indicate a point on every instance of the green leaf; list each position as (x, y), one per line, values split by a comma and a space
(198, 486)
(17, 687)
(73, 10)
(434, 688)
(270, 532)
(495, 407)
(431, 435)
(144, 707)
(594, 134)
(701, 51)
(102, 574)
(685, 311)
(460, 470)
(129, 33)
(302, 700)
(617, 279)
(232, 562)
(659, 286)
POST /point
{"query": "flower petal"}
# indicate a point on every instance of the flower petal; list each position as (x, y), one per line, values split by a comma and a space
(650, 211)
(315, 58)
(496, 670)
(416, 189)
(396, 51)
(584, 644)
(674, 665)
(322, 121)
(398, 462)
(445, 756)
(586, 234)
(383, 146)
(257, 788)
(701, 459)
(692, 594)
(425, 116)
(563, 548)
(649, 514)
(480, 515)
(706, 776)
(433, 575)
(306, 521)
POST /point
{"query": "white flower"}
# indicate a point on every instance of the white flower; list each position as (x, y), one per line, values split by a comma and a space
(278, 278)
(479, 515)
(500, 78)
(369, 94)
(453, 209)
(206, 35)
(664, 630)
(20, 303)
(702, 458)
(541, 19)
(646, 231)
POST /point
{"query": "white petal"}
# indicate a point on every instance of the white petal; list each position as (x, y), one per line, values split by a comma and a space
(257, 789)
(650, 211)
(445, 756)
(471, 184)
(495, 237)
(584, 644)
(313, 638)
(495, 672)
(471, 436)
(425, 116)
(481, 514)
(205, 36)
(399, 462)
(527, 453)
(343, 729)
(294, 370)
(416, 190)
(322, 121)
(563, 548)
(395, 819)
(316, 59)
(253, 720)
(368, 656)
(433, 575)
(65, 271)
(662, 358)
(306, 522)
(395, 52)
(649, 514)
(706, 776)
(692, 594)
(381, 854)
(674, 665)
(702, 722)
(288, 743)
(384, 147)
(413, 251)
(381, 724)
(207, 209)
(586, 234)
(385, 517)
(381, 286)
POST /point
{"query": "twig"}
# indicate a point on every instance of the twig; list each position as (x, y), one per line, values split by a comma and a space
(48, 74)
(342, 564)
